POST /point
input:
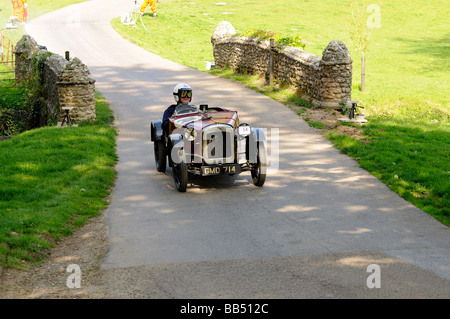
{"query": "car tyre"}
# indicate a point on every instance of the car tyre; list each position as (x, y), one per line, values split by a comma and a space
(160, 155)
(180, 176)
(259, 171)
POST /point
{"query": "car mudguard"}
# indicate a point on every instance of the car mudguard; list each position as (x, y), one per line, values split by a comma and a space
(259, 135)
(174, 139)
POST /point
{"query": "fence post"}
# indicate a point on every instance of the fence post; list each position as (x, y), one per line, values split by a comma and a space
(1, 46)
(7, 54)
(12, 57)
(270, 77)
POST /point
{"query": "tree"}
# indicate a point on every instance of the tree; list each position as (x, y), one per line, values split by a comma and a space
(361, 30)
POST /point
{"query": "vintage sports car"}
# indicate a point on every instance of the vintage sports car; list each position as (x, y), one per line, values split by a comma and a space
(209, 141)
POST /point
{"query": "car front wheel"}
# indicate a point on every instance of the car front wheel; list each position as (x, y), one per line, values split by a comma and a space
(180, 176)
(259, 170)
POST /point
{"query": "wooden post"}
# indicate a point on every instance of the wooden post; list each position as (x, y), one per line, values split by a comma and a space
(7, 53)
(12, 57)
(67, 55)
(363, 72)
(270, 77)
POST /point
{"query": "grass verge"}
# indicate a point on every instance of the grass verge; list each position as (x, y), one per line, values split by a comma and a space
(412, 159)
(51, 181)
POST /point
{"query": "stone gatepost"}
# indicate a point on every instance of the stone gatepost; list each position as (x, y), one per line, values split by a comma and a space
(223, 29)
(336, 76)
(23, 55)
(76, 88)
(64, 83)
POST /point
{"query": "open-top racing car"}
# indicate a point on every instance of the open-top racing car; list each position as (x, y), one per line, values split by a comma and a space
(208, 141)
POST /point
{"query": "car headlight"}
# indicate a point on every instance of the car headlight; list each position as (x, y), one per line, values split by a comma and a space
(190, 134)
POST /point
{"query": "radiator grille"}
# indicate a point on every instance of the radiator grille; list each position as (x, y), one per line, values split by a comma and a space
(218, 144)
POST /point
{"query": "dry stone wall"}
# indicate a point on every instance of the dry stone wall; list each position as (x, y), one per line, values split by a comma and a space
(64, 83)
(325, 82)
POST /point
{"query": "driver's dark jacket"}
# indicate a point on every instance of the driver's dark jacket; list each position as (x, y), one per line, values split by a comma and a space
(165, 121)
(169, 112)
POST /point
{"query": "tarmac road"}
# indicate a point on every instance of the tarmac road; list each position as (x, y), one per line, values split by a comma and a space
(310, 232)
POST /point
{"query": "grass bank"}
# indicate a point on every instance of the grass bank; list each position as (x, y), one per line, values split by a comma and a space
(406, 100)
(51, 181)
(411, 158)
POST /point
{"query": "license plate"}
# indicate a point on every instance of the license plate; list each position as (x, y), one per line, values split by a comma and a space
(220, 170)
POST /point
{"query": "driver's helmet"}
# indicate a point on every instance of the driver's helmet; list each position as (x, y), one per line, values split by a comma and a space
(182, 90)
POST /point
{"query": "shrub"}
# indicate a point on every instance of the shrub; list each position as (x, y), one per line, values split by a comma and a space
(263, 35)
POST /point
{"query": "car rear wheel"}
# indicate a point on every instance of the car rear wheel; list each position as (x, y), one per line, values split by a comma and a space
(180, 176)
(160, 155)
(259, 170)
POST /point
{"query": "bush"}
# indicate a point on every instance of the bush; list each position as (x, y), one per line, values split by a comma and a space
(263, 35)
(258, 33)
(292, 41)
(13, 122)
(21, 105)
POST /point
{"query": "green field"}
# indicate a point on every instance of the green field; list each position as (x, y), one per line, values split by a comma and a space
(407, 61)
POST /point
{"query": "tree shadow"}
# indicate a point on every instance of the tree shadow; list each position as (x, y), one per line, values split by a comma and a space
(437, 48)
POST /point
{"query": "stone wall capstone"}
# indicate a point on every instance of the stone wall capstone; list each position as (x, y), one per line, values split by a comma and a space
(23, 52)
(64, 83)
(76, 88)
(325, 82)
(223, 29)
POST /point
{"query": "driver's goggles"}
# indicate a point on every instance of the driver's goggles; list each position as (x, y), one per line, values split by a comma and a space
(185, 94)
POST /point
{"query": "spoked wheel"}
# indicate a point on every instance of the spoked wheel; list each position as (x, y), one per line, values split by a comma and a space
(260, 169)
(160, 155)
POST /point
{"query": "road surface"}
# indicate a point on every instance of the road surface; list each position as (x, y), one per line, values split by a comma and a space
(311, 231)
